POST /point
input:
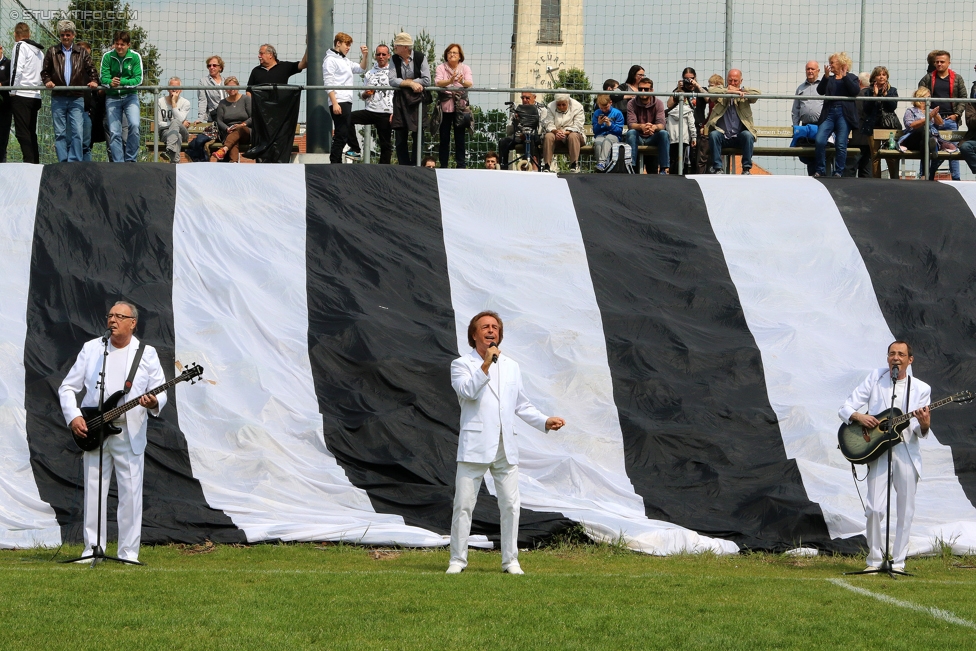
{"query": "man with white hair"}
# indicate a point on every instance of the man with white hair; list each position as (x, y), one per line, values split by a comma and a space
(564, 125)
(411, 74)
(173, 111)
(68, 64)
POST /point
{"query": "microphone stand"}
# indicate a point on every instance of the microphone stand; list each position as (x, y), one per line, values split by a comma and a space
(886, 561)
(98, 552)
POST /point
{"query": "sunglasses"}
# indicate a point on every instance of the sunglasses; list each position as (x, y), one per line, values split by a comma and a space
(213, 65)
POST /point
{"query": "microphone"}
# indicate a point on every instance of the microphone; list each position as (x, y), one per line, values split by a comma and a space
(107, 334)
(494, 358)
(895, 370)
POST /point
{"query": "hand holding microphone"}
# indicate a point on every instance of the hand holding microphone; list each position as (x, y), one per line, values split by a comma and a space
(494, 356)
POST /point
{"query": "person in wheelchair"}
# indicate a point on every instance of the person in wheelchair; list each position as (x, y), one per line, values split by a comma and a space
(527, 121)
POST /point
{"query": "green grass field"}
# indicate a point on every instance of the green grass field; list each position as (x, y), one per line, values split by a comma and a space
(572, 597)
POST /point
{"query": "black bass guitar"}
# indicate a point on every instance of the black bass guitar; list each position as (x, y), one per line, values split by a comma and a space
(859, 444)
(112, 410)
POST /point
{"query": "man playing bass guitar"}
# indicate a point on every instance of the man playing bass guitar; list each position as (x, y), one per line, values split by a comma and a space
(875, 393)
(126, 450)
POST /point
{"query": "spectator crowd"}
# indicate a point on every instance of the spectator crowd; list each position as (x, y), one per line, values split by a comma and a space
(410, 96)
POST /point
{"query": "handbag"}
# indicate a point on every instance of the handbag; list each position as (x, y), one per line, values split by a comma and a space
(889, 121)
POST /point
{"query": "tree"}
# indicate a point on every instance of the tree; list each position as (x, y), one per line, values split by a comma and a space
(574, 79)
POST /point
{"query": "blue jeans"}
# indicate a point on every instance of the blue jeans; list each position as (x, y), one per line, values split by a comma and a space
(744, 140)
(660, 139)
(114, 108)
(86, 143)
(836, 124)
(947, 125)
(66, 113)
(968, 150)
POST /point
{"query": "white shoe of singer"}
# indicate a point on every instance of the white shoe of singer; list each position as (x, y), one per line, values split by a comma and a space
(514, 568)
(454, 568)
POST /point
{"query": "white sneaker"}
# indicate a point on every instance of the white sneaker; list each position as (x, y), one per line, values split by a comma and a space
(454, 568)
(514, 568)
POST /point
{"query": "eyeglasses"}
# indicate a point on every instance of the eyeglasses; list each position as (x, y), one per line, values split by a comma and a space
(118, 317)
(213, 65)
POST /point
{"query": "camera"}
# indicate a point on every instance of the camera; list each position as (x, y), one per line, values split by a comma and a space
(687, 85)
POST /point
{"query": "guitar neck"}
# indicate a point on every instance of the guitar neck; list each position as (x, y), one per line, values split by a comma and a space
(121, 409)
(935, 405)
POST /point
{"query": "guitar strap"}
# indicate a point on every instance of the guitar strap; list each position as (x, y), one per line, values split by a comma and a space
(135, 367)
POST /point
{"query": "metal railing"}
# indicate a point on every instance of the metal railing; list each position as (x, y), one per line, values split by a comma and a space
(679, 96)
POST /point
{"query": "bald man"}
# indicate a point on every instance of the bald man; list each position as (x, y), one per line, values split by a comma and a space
(730, 124)
(807, 111)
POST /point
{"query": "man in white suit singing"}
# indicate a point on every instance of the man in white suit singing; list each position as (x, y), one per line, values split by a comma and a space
(489, 388)
(125, 451)
(910, 395)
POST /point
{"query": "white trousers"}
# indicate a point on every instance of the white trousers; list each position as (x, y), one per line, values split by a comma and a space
(467, 485)
(128, 468)
(904, 481)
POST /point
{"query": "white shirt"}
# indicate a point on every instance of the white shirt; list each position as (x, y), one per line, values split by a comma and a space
(115, 374)
(337, 70)
(169, 113)
(381, 100)
(28, 70)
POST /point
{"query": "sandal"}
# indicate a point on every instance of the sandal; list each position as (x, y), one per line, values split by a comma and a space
(220, 153)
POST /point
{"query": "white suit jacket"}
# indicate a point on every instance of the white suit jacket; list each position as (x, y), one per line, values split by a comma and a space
(485, 411)
(84, 374)
(875, 394)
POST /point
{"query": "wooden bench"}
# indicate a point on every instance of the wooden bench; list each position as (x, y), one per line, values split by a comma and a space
(197, 128)
(895, 156)
(782, 133)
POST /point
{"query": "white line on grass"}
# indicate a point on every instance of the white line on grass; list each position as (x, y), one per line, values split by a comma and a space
(938, 613)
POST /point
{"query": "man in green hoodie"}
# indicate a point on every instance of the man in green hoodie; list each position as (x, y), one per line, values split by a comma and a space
(121, 70)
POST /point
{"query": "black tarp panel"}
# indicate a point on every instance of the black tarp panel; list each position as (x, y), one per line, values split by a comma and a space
(702, 444)
(104, 232)
(920, 255)
(381, 341)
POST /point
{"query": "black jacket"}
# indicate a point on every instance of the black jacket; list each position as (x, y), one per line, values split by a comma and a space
(849, 87)
(4, 80)
(82, 69)
(871, 111)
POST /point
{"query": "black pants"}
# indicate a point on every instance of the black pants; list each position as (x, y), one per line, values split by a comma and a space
(406, 155)
(5, 118)
(342, 126)
(447, 125)
(384, 131)
(24, 111)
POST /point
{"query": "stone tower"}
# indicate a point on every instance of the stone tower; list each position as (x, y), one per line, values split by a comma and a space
(547, 38)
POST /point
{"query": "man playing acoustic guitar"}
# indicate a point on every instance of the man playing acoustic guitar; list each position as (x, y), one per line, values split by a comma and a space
(875, 393)
(125, 451)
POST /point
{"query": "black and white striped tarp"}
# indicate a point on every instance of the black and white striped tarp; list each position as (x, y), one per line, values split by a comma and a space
(698, 335)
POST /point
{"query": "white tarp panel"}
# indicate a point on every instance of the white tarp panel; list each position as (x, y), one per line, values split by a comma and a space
(240, 309)
(810, 303)
(25, 520)
(541, 287)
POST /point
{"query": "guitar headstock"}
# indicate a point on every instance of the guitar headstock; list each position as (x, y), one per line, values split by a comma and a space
(192, 372)
(962, 397)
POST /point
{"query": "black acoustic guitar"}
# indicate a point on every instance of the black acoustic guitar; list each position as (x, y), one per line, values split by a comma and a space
(112, 410)
(859, 444)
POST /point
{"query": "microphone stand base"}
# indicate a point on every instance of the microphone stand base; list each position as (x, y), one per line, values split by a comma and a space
(885, 568)
(97, 556)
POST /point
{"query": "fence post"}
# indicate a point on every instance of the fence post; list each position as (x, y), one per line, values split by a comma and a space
(926, 136)
(156, 123)
(419, 144)
(681, 146)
